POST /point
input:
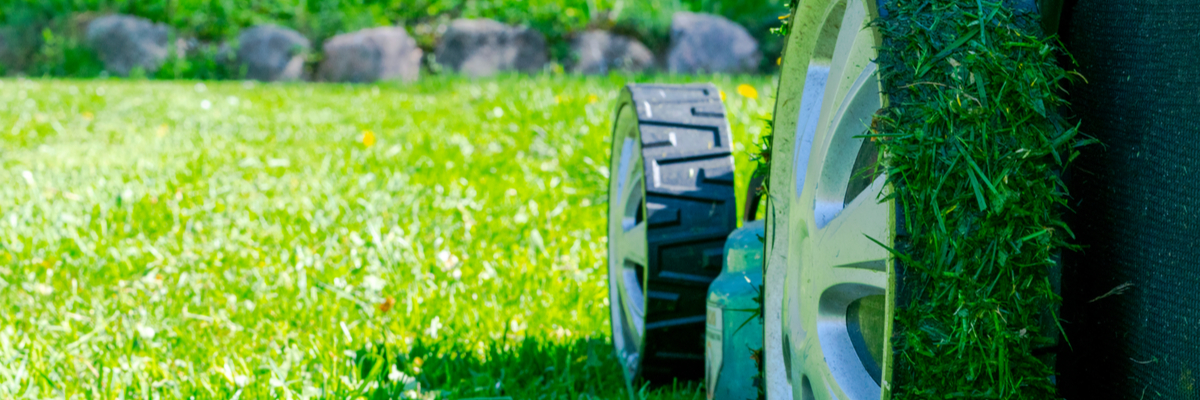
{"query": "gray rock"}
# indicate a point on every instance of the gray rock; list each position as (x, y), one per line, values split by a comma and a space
(126, 42)
(483, 47)
(710, 43)
(272, 53)
(597, 52)
(187, 47)
(370, 55)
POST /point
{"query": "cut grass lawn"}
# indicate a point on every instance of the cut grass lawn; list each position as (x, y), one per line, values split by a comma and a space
(217, 240)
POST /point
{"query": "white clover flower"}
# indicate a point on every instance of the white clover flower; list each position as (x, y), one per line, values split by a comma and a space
(146, 332)
(449, 260)
(397, 376)
(434, 327)
(373, 284)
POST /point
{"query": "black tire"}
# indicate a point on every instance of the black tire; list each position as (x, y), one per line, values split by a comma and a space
(689, 209)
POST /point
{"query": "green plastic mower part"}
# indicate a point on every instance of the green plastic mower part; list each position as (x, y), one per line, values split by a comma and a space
(734, 329)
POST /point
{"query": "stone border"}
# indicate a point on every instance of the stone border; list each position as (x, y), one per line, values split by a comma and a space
(128, 45)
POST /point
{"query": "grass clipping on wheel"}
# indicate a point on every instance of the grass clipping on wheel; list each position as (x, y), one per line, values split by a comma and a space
(974, 145)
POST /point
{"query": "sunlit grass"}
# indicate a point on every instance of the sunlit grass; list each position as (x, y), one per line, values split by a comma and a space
(179, 239)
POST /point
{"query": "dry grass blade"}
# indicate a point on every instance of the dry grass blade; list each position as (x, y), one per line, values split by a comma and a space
(1119, 290)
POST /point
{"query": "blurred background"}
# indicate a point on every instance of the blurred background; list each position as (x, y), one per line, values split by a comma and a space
(52, 37)
(316, 198)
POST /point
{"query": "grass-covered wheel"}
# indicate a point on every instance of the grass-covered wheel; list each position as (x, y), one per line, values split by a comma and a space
(671, 206)
(832, 298)
(827, 278)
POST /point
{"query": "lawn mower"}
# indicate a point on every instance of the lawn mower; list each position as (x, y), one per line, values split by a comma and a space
(832, 295)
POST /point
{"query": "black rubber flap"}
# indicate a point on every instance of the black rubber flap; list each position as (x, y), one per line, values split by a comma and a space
(1132, 297)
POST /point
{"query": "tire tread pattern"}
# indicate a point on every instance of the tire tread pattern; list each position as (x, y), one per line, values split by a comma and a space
(691, 207)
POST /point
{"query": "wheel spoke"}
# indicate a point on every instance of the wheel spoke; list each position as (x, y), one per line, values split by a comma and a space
(858, 276)
(625, 171)
(631, 295)
(840, 150)
(633, 245)
(853, 115)
(844, 244)
(631, 193)
(855, 48)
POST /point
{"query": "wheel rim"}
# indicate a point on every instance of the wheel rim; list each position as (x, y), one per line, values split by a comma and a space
(627, 242)
(833, 298)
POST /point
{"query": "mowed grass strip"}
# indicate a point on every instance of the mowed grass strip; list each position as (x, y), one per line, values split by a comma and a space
(221, 239)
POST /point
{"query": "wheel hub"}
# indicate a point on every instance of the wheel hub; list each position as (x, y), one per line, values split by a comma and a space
(834, 299)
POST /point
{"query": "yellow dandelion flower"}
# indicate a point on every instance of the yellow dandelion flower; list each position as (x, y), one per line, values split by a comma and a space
(592, 99)
(722, 95)
(747, 91)
(368, 138)
(88, 115)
